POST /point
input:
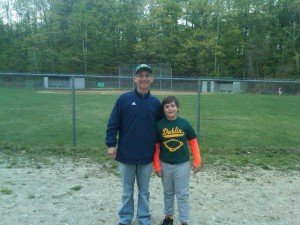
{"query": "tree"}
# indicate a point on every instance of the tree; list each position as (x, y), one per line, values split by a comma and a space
(197, 37)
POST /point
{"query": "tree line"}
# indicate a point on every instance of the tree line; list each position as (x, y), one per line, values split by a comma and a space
(236, 38)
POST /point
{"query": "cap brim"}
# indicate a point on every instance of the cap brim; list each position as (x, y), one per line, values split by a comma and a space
(144, 68)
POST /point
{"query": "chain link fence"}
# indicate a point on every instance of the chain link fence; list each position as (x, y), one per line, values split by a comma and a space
(176, 84)
(65, 109)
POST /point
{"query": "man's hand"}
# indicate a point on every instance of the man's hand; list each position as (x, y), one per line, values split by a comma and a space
(112, 152)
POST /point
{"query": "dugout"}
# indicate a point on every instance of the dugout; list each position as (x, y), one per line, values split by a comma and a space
(61, 82)
(224, 86)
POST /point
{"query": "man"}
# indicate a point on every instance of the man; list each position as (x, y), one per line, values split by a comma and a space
(133, 119)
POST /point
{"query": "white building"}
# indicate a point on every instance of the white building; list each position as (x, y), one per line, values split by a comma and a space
(223, 86)
(63, 82)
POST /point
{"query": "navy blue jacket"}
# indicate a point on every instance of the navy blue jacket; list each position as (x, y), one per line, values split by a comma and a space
(133, 120)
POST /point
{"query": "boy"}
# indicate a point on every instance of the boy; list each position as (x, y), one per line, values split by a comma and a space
(171, 159)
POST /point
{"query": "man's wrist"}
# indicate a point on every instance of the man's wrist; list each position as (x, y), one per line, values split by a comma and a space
(111, 146)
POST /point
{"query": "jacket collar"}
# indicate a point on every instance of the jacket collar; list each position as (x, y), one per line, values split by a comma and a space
(146, 95)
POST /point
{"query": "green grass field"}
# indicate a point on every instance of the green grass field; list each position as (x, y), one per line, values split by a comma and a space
(235, 129)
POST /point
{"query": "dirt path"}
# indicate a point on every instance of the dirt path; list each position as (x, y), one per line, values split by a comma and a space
(46, 195)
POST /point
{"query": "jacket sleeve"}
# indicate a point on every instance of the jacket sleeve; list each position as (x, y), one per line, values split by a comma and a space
(195, 152)
(156, 162)
(113, 126)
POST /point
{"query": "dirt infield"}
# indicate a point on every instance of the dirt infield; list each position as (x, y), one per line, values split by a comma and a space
(82, 193)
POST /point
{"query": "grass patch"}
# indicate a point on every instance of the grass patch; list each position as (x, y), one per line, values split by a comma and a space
(266, 158)
(5, 191)
(76, 188)
(226, 120)
(231, 176)
(250, 179)
(31, 196)
(235, 130)
(38, 156)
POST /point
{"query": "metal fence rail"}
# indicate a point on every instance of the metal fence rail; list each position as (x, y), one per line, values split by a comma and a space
(213, 85)
(22, 93)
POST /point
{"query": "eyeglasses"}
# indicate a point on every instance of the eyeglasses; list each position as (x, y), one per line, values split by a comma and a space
(147, 75)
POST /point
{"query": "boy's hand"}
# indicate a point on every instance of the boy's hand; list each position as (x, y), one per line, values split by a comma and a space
(196, 169)
(158, 173)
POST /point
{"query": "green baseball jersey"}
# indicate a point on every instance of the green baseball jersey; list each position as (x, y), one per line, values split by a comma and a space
(173, 136)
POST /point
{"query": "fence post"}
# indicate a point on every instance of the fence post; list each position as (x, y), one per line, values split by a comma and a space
(160, 79)
(73, 113)
(133, 83)
(199, 108)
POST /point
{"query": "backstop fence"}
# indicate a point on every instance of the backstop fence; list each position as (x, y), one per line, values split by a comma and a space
(73, 109)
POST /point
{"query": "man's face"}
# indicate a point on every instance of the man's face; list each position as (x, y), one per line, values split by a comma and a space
(143, 80)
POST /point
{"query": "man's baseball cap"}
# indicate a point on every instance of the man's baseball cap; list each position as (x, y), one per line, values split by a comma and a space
(143, 67)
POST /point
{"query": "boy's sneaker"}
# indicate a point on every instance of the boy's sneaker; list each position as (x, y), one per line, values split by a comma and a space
(167, 221)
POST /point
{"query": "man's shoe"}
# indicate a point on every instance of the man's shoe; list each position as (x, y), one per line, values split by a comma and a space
(167, 221)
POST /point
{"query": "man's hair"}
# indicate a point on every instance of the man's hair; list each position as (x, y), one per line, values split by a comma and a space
(169, 99)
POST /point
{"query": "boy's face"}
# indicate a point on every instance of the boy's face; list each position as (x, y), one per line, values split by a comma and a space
(171, 111)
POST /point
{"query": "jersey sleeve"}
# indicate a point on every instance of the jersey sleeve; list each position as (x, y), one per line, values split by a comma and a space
(191, 134)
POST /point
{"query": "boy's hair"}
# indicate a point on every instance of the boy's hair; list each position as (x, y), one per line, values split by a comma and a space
(169, 99)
